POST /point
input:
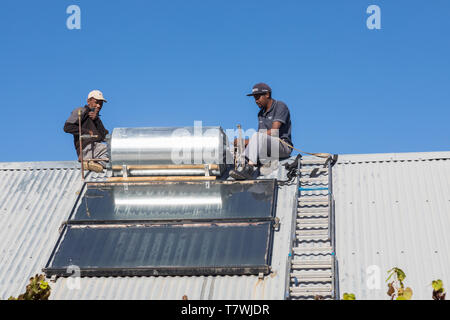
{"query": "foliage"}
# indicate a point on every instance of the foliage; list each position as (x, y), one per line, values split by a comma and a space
(37, 289)
(396, 288)
(438, 290)
(349, 296)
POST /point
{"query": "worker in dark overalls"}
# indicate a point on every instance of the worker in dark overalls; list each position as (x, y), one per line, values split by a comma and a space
(93, 148)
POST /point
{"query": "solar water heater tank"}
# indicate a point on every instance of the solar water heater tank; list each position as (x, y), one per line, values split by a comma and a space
(166, 151)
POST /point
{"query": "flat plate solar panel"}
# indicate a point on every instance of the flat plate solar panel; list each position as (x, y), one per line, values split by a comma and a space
(177, 201)
(192, 249)
(170, 228)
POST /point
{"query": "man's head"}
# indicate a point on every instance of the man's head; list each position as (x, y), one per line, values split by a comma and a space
(262, 94)
(96, 99)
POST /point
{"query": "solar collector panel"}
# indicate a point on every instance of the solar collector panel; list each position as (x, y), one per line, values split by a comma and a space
(145, 229)
(177, 201)
(127, 251)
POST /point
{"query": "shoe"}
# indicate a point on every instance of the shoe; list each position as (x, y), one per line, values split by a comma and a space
(269, 167)
(245, 173)
(92, 166)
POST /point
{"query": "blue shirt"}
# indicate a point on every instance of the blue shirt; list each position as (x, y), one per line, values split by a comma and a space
(278, 112)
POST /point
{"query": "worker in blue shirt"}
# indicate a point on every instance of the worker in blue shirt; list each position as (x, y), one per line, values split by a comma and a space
(273, 136)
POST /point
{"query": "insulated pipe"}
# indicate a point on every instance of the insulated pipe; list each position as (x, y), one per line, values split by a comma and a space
(168, 172)
(173, 178)
(168, 166)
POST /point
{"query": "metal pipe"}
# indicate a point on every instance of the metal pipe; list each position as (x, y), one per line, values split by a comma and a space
(168, 166)
(172, 178)
(81, 145)
(167, 172)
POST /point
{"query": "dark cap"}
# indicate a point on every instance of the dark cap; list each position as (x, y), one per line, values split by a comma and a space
(260, 88)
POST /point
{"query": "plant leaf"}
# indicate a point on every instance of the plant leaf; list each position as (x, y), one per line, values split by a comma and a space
(43, 285)
(407, 294)
(349, 296)
(400, 274)
(437, 284)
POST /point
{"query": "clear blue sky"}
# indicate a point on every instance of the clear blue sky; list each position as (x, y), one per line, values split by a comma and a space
(171, 62)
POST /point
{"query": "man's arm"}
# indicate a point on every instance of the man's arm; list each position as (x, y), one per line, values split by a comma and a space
(71, 125)
(276, 125)
(71, 128)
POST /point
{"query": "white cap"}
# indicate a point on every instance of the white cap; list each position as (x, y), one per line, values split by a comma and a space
(97, 95)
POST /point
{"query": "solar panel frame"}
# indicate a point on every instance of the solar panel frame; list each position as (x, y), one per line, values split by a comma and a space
(268, 215)
(264, 268)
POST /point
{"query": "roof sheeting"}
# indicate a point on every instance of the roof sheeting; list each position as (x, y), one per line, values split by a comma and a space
(33, 204)
(37, 197)
(392, 210)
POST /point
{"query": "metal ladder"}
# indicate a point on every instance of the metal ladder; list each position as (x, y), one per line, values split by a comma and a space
(313, 263)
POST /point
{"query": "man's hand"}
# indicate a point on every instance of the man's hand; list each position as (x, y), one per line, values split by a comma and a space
(93, 114)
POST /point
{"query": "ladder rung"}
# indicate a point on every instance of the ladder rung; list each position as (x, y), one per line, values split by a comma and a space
(313, 210)
(312, 214)
(314, 180)
(304, 297)
(317, 169)
(311, 274)
(313, 232)
(297, 267)
(314, 238)
(313, 280)
(305, 205)
(312, 220)
(318, 198)
(312, 290)
(312, 261)
(311, 226)
(313, 249)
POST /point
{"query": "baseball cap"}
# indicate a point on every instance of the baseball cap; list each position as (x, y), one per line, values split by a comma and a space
(260, 88)
(97, 95)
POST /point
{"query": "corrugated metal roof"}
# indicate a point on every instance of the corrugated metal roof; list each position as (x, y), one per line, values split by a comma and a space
(34, 200)
(392, 210)
(37, 197)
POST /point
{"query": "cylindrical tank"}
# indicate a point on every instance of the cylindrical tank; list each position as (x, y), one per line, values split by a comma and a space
(168, 146)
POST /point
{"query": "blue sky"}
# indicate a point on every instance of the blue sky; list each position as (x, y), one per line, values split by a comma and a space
(171, 62)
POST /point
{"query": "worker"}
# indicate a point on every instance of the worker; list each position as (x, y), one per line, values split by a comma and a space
(265, 145)
(93, 148)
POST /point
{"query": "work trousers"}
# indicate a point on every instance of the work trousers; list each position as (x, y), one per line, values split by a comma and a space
(96, 150)
(265, 148)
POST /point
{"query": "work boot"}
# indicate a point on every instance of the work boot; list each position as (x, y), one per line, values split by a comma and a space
(268, 167)
(246, 173)
(93, 166)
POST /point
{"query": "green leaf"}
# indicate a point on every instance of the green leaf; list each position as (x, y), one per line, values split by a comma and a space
(43, 285)
(407, 294)
(437, 285)
(390, 275)
(349, 296)
(400, 274)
